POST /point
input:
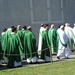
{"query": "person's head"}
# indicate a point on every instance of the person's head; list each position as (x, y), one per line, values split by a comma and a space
(62, 27)
(4, 30)
(24, 27)
(74, 24)
(42, 24)
(11, 26)
(14, 30)
(46, 26)
(52, 25)
(69, 25)
(66, 24)
(29, 28)
(19, 27)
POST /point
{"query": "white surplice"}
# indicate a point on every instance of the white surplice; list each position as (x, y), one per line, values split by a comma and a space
(63, 51)
(74, 33)
(68, 31)
(40, 39)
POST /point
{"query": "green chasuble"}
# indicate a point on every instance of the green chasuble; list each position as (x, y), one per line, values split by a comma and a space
(30, 45)
(7, 35)
(19, 33)
(1, 51)
(23, 40)
(8, 32)
(52, 33)
(45, 44)
(14, 47)
(4, 42)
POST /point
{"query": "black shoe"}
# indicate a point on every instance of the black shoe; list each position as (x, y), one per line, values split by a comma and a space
(72, 50)
(20, 66)
(58, 57)
(23, 59)
(1, 65)
(10, 67)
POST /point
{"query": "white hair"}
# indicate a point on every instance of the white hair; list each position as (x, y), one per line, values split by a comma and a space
(28, 27)
(18, 27)
(61, 26)
(74, 24)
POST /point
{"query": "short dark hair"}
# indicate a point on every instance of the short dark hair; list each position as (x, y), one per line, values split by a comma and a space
(13, 29)
(24, 27)
(12, 26)
(45, 25)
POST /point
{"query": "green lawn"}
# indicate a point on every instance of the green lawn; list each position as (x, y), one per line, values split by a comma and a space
(57, 68)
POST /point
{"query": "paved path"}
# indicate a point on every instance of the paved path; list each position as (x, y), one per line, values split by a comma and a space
(72, 57)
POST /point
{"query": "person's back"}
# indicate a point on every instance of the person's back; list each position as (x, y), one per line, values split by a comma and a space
(63, 49)
(13, 49)
(52, 33)
(31, 50)
(69, 33)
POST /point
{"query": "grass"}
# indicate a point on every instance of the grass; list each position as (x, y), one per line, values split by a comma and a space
(58, 68)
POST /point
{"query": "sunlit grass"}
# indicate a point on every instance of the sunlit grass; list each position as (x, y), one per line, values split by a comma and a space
(58, 68)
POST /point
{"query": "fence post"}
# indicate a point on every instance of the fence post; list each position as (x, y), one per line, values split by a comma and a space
(50, 54)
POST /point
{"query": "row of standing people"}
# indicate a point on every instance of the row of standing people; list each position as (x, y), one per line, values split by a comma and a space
(61, 40)
(16, 44)
(21, 41)
(66, 40)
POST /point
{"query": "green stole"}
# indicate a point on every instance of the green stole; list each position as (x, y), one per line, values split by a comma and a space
(65, 45)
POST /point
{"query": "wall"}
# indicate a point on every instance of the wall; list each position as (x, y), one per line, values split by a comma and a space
(34, 12)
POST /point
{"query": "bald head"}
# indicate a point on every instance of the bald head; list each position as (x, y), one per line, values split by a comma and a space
(18, 27)
(62, 27)
(52, 25)
(74, 24)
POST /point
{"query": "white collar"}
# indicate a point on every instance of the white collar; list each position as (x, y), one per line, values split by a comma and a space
(12, 32)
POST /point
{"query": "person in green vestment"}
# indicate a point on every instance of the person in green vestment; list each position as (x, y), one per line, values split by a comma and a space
(4, 44)
(1, 55)
(3, 40)
(14, 50)
(19, 34)
(52, 33)
(9, 30)
(30, 46)
(24, 30)
(45, 55)
(7, 35)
